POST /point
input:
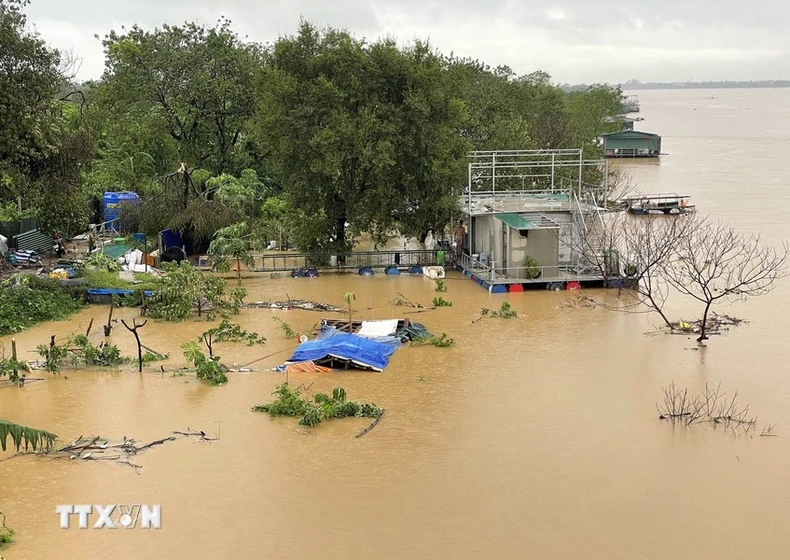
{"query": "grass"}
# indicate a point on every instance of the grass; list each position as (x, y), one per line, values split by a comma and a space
(103, 279)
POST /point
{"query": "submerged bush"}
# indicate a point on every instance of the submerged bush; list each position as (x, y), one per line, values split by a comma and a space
(290, 403)
(6, 532)
(26, 300)
(206, 368)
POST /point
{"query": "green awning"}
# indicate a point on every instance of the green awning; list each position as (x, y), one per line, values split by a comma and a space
(528, 221)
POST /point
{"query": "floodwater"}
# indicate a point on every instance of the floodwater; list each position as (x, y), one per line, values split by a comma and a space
(532, 438)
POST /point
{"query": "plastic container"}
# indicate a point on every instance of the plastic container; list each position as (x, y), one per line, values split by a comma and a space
(112, 207)
(139, 237)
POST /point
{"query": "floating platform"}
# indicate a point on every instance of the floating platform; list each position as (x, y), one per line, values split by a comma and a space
(658, 204)
(502, 285)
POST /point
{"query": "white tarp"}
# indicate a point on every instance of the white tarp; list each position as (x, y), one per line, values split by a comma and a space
(373, 329)
(433, 272)
(3, 245)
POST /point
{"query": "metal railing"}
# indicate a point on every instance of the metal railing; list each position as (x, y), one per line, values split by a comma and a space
(493, 273)
(284, 261)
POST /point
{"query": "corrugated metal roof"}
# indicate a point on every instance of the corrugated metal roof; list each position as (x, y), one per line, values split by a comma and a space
(33, 241)
(528, 221)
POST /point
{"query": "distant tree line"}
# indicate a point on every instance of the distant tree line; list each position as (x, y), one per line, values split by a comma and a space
(310, 140)
(724, 84)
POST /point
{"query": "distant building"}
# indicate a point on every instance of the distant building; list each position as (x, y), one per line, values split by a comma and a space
(630, 104)
(631, 143)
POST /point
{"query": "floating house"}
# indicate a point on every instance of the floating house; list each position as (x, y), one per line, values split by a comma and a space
(531, 220)
(630, 104)
(632, 144)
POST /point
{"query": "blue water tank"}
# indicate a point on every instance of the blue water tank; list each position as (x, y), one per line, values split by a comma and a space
(112, 206)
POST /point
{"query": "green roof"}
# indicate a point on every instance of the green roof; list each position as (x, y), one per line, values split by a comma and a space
(529, 221)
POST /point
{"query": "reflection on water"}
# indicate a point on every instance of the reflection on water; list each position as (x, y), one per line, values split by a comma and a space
(532, 438)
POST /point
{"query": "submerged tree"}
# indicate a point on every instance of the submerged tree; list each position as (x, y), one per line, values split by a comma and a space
(229, 248)
(229, 332)
(713, 263)
(185, 289)
(690, 256)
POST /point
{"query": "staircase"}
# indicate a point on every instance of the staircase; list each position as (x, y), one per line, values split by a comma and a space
(590, 231)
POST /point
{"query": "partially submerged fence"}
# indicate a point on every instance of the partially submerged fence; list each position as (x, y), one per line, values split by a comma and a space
(286, 261)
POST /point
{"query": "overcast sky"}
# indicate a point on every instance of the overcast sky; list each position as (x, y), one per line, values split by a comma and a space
(573, 40)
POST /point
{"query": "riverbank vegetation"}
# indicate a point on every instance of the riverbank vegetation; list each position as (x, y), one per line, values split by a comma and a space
(207, 128)
(26, 300)
(6, 532)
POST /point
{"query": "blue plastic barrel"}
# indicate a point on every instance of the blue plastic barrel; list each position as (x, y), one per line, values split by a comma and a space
(112, 206)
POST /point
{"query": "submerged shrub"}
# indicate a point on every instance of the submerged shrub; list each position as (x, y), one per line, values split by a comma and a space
(26, 300)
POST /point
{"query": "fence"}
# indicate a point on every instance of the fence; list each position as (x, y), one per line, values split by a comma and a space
(279, 262)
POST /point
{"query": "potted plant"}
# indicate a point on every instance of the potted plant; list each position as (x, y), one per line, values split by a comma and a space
(531, 268)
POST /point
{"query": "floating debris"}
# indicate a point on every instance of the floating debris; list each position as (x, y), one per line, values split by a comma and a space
(293, 304)
(716, 325)
(97, 448)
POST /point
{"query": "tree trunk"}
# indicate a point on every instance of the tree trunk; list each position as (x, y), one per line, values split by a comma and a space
(238, 271)
(340, 238)
(133, 330)
(703, 329)
(207, 340)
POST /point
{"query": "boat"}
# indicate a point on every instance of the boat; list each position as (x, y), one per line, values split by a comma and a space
(658, 204)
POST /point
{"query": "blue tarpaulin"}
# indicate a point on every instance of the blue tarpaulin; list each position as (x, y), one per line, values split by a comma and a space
(362, 352)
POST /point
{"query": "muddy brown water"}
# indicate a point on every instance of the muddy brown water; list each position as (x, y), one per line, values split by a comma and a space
(532, 438)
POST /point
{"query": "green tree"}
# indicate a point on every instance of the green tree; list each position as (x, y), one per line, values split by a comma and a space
(276, 222)
(363, 136)
(29, 112)
(593, 112)
(43, 145)
(243, 193)
(185, 289)
(191, 82)
(230, 247)
(493, 123)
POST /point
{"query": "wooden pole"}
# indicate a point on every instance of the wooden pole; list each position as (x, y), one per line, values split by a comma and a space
(13, 356)
(90, 325)
(108, 326)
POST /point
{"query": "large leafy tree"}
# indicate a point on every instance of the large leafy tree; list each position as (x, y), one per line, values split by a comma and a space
(364, 136)
(191, 84)
(493, 122)
(43, 141)
(29, 112)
